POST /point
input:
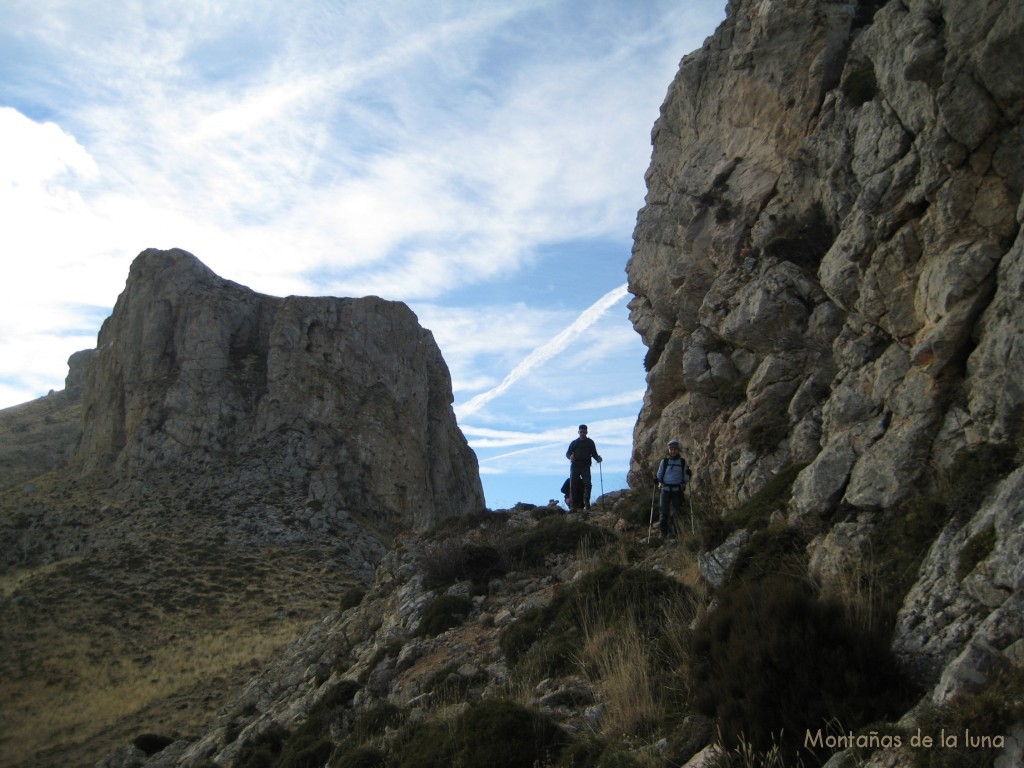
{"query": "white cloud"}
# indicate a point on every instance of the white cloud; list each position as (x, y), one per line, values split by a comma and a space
(433, 153)
(546, 351)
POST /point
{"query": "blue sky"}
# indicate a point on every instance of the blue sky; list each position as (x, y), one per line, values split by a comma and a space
(481, 161)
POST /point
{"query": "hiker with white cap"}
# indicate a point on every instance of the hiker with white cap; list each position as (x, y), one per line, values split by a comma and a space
(673, 475)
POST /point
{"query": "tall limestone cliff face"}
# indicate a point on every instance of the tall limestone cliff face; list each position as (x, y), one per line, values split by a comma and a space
(348, 400)
(829, 272)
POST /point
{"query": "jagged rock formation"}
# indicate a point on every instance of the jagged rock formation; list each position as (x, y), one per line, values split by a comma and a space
(827, 273)
(347, 397)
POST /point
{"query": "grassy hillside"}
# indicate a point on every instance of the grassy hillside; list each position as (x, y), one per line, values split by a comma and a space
(120, 618)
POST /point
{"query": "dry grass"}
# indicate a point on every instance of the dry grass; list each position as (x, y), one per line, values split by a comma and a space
(856, 586)
(92, 697)
(617, 660)
(95, 650)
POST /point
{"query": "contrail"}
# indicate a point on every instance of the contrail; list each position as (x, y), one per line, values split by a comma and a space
(546, 351)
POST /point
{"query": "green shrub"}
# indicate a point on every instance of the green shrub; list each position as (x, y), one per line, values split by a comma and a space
(425, 745)
(754, 513)
(553, 536)
(772, 551)
(971, 476)
(443, 613)
(768, 431)
(582, 754)
(452, 560)
(904, 535)
(550, 636)
(305, 750)
(773, 660)
(495, 733)
(990, 713)
(502, 734)
(977, 548)
(264, 750)
(448, 685)
(374, 721)
(802, 239)
(361, 748)
(359, 757)
(453, 527)
(351, 598)
(151, 743)
(860, 86)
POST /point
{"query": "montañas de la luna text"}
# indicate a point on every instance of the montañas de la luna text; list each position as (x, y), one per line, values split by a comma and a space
(877, 740)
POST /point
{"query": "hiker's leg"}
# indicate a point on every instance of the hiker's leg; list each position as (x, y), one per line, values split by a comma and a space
(586, 486)
(664, 511)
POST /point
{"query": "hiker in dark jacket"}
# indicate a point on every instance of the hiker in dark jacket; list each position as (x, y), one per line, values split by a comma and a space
(673, 474)
(581, 452)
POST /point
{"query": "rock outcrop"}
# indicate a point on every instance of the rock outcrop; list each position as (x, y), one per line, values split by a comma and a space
(828, 274)
(348, 400)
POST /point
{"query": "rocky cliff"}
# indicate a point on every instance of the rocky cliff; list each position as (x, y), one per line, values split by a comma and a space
(346, 399)
(828, 275)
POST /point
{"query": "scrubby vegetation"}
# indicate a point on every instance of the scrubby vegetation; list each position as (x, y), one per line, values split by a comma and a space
(773, 660)
(624, 634)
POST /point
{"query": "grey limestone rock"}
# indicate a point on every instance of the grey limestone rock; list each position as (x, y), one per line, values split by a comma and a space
(346, 400)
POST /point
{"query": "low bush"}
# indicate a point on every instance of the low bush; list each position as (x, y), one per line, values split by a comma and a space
(452, 560)
(359, 757)
(771, 551)
(496, 733)
(351, 598)
(554, 535)
(151, 743)
(977, 548)
(443, 613)
(904, 535)
(264, 750)
(773, 660)
(453, 527)
(987, 715)
(754, 513)
(971, 476)
(448, 685)
(551, 635)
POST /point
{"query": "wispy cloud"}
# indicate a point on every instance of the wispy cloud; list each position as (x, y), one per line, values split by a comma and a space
(634, 397)
(482, 162)
(547, 350)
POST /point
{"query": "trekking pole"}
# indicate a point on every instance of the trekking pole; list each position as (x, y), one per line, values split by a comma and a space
(689, 498)
(601, 472)
(651, 523)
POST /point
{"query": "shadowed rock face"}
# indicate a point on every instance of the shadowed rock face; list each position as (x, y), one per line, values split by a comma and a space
(828, 272)
(348, 399)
